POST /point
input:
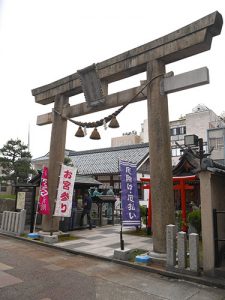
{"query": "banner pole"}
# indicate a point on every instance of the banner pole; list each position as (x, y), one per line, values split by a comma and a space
(35, 219)
(121, 219)
(53, 211)
(51, 231)
(121, 229)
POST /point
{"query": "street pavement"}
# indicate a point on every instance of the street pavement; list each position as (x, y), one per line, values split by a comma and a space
(33, 271)
(102, 241)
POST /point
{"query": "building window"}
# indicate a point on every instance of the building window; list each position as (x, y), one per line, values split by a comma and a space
(117, 185)
(140, 191)
(176, 152)
(173, 131)
(177, 130)
(205, 148)
(217, 143)
(183, 130)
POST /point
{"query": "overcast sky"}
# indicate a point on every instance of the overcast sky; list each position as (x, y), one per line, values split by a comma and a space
(44, 40)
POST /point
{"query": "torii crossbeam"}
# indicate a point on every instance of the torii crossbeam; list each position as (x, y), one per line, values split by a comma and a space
(151, 57)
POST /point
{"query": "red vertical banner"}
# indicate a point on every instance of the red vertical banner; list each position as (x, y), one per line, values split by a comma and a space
(43, 202)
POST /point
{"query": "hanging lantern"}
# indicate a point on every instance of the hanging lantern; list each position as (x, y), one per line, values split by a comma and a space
(95, 135)
(79, 132)
(114, 123)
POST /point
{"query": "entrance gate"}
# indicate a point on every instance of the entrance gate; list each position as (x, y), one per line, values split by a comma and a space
(152, 58)
(181, 184)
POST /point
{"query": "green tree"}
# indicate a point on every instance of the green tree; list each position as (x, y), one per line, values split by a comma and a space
(68, 161)
(15, 162)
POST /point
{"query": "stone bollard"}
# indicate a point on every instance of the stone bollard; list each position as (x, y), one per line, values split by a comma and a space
(194, 252)
(21, 221)
(122, 254)
(182, 250)
(171, 245)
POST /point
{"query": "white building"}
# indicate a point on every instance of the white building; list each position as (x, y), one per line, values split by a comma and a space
(216, 141)
(201, 122)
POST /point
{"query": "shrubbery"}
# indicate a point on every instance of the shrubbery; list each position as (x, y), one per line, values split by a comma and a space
(194, 218)
(143, 213)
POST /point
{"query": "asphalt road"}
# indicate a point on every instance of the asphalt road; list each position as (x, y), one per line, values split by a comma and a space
(30, 271)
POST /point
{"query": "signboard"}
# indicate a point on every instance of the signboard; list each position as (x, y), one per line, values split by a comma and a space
(21, 196)
(129, 194)
(65, 191)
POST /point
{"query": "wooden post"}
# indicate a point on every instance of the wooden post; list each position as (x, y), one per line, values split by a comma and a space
(56, 157)
(183, 205)
(160, 156)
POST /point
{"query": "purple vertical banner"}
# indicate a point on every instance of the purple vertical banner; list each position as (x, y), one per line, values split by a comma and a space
(129, 194)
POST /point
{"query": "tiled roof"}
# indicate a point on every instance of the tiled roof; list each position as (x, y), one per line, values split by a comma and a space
(80, 179)
(189, 164)
(212, 166)
(46, 156)
(106, 160)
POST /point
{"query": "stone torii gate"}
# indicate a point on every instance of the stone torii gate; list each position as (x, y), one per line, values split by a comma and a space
(152, 58)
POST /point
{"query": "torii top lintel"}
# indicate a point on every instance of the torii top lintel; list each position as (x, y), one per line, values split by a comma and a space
(187, 41)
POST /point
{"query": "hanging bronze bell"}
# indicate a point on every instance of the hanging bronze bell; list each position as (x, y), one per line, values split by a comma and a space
(114, 123)
(80, 132)
(95, 135)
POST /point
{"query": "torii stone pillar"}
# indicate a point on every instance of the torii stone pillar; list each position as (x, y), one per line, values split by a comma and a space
(56, 158)
(161, 165)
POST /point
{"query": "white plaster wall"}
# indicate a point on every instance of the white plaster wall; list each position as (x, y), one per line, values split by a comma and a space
(198, 122)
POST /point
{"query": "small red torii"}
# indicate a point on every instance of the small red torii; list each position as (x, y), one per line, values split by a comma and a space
(182, 185)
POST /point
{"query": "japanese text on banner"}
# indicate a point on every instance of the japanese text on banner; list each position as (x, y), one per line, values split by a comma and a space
(43, 202)
(129, 194)
(65, 191)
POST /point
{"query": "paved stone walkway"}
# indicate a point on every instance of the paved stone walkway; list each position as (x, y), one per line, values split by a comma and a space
(102, 241)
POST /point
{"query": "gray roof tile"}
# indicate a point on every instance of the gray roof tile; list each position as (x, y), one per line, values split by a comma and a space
(106, 160)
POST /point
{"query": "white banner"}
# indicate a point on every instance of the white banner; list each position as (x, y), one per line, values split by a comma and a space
(65, 191)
